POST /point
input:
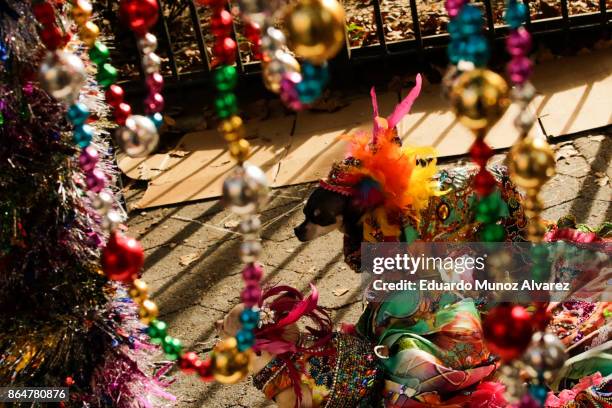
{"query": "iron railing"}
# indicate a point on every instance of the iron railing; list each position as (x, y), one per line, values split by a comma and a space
(420, 45)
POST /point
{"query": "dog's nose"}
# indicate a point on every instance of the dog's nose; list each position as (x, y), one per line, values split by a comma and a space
(300, 232)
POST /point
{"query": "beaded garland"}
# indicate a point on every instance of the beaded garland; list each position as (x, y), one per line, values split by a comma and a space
(468, 50)
(245, 191)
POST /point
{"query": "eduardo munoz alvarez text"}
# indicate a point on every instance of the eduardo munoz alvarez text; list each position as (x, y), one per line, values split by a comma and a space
(459, 265)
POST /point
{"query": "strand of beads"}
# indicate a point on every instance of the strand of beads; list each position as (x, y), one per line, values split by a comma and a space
(62, 75)
(469, 51)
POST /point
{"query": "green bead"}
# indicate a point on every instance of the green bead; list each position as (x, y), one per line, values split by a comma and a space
(540, 273)
(107, 75)
(172, 347)
(1, 119)
(99, 53)
(492, 233)
(539, 253)
(157, 331)
(225, 78)
(226, 105)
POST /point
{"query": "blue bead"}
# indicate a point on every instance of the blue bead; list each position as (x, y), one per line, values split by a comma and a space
(249, 319)
(538, 392)
(245, 339)
(477, 50)
(470, 20)
(455, 51)
(454, 29)
(82, 135)
(516, 14)
(158, 119)
(4, 55)
(78, 113)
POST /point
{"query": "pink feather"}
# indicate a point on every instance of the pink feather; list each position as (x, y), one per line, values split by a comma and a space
(404, 107)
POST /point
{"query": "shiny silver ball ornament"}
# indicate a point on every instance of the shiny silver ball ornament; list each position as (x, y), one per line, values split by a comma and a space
(272, 40)
(110, 220)
(273, 71)
(523, 94)
(524, 121)
(147, 43)
(250, 251)
(545, 354)
(151, 63)
(246, 189)
(139, 137)
(251, 225)
(62, 75)
(103, 202)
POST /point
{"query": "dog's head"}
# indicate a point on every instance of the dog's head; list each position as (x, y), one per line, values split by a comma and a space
(324, 212)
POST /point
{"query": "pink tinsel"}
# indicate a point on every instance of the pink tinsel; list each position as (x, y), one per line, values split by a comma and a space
(488, 395)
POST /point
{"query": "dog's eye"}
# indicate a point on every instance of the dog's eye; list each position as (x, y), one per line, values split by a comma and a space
(316, 212)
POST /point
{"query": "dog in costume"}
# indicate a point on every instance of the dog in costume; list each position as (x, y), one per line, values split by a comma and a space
(414, 359)
(383, 191)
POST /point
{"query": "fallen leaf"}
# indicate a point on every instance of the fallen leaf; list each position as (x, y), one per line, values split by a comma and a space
(185, 260)
(340, 291)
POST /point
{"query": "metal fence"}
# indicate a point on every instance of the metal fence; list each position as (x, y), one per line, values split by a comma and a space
(195, 41)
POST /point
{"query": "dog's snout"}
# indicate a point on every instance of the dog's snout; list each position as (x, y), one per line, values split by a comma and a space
(300, 232)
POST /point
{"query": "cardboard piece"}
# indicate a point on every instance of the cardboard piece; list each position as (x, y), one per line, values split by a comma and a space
(195, 169)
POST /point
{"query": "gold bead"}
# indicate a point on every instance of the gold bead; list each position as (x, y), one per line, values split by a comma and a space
(479, 98)
(148, 311)
(232, 128)
(89, 33)
(81, 12)
(228, 364)
(315, 29)
(531, 163)
(139, 291)
(274, 69)
(240, 150)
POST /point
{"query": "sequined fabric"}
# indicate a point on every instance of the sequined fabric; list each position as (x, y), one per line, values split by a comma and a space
(342, 375)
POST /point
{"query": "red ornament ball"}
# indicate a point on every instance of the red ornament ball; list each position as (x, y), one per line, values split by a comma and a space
(189, 362)
(205, 370)
(44, 13)
(484, 182)
(221, 23)
(508, 330)
(52, 37)
(139, 15)
(122, 258)
(122, 112)
(480, 152)
(114, 95)
(225, 50)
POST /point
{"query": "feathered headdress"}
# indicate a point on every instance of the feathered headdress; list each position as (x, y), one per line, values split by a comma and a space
(379, 171)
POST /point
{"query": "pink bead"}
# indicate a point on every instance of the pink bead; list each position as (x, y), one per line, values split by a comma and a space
(250, 294)
(288, 93)
(518, 42)
(453, 7)
(95, 180)
(252, 272)
(519, 69)
(88, 159)
(155, 82)
(154, 103)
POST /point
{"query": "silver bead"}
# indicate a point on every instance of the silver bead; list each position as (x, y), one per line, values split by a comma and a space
(523, 94)
(62, 75)
(524, 120)
(246, 189)
(251, 225)
(273, 70)
(111, 220)
(250, 251)
(139, 137)
(272, 40)
(147, 43)
(546, 353)
(103, 202)
(151, 63)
